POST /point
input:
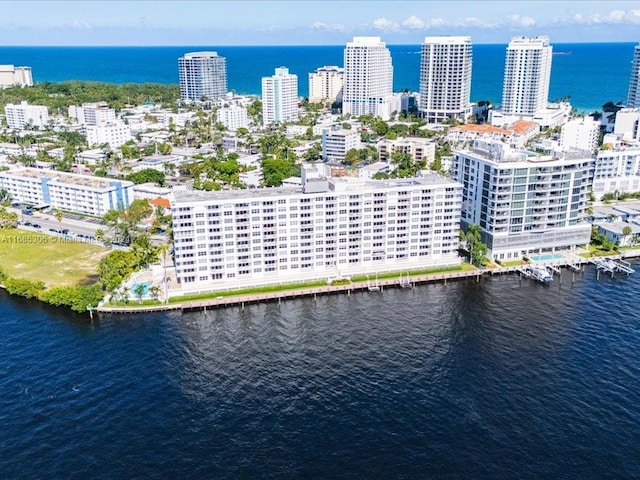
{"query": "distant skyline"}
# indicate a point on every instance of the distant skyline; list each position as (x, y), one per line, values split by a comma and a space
(312, 22)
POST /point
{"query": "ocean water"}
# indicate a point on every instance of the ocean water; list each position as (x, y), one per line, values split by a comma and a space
(593, 73)
(499, 379)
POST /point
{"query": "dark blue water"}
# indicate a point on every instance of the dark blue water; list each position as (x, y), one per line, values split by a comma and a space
(490, 380)
(592, 75)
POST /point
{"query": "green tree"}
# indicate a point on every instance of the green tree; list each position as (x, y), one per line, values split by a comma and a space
(626, 231)
(147, 175)
(115, 268)
(472, 240)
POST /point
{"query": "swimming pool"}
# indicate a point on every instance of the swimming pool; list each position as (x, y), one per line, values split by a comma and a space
(145, 288)
(546, 257)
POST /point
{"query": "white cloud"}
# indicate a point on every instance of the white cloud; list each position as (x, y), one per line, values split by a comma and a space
(435, 22)
(385, 25)
(328, 27)
(614, 17)
(521, 21)
(413, 22)
(81, 25)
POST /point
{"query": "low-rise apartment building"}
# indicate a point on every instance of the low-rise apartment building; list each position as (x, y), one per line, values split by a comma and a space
(420, 149)
(336, 143)
(67, 191)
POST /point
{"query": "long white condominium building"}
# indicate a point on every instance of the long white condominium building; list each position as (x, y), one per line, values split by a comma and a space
(580, 133)
(617, 169)
(325, 84)
(22, 114)
(114, 134)
(633, 98)
(11, 76)
(524, 202)
(331, 227)
(445, 78)
(280, 97)
(527, 74)
(67, 191)
(202, 74)
(368, 78)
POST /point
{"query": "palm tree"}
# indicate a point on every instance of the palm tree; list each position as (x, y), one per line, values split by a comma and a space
(162, 251)
(59, 216)
(5, 196)
(626, 231)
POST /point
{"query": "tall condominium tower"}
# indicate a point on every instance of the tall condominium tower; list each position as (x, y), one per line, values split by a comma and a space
(279, 97)
(633, 99)
(527, 73)
(202, 74)
(326, 84)
(445, 78)
(368, 78)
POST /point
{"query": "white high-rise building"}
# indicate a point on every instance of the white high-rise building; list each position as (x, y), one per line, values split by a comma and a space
(527, 74)
(368, 78)
(280, 97)
(331, 227)
(524, 203)
(336, 143)
(202, 74)
(325, 84)
(581, 134)
(445, 78)
(11, 76)
(617, 169)
(22, 114)
(633, 98)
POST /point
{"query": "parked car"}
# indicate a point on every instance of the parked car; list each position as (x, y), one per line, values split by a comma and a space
(35, 225)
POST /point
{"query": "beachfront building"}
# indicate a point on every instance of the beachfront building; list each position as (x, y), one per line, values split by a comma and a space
(67, 191)
(617, 169)
(527, 74)
(22, 114)
(581, 134)
(336, 143)
(325, 84)
(368, 79)
(202, 75)
(11, 76)
(445, 79)
(420, 149)
(633, 97)
(327, 228)
(92, 113)
(280, 97)
(524, 202)
(233, 117)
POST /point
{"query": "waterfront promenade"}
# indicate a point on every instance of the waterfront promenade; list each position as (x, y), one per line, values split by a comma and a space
(377, 286)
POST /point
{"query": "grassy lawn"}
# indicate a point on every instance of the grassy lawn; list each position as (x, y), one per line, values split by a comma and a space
(55, 261)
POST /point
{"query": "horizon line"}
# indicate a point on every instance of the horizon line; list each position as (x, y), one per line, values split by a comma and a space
(285, 45)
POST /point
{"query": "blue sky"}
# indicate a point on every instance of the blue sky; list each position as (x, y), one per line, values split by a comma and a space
(309, 22)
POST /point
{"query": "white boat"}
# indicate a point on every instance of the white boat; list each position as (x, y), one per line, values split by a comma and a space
(541, 274)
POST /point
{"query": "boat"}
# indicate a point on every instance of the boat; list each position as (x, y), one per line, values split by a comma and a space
(541, 274)
(373, 287)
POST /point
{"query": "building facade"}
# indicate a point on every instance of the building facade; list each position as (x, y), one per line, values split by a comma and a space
(113, 134)
(280, 97)
(92, 113)
(11, 76)
(617, 169)
(336, 143)
(233, 117)
(580, 133)
(202, 75)
(527, 74)
(445, 78)
(22, 114)
(633, 96)
(524, 203)
(368, 78)
(67, 191)
(325, 84)
(420, 149)
(329, 228)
